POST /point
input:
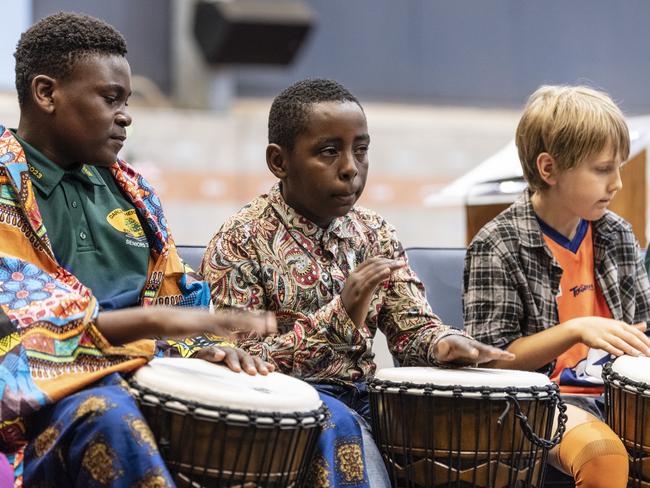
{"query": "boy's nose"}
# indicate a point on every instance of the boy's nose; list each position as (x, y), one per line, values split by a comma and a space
(617, 182)
(348, 168)
(123, 119)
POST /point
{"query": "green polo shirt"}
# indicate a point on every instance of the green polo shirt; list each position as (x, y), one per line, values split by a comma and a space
(95, 231)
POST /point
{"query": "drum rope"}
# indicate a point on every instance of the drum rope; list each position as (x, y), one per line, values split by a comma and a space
(511, 398)
(510, 395)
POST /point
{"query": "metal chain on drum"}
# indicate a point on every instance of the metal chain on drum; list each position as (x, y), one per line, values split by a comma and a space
(511, 397)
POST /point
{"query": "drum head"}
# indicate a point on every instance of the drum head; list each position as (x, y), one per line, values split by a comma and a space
(213, 385)
(464, 377)
(634, 368)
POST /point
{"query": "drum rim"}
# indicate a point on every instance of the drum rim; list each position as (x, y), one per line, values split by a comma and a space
(428, 389)
(318, 415)
(609, 375)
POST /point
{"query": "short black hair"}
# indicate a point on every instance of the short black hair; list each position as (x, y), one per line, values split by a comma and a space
(289, 112)
(55, 43)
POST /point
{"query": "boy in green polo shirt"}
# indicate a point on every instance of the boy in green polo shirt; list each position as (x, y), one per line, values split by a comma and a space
(81, 233)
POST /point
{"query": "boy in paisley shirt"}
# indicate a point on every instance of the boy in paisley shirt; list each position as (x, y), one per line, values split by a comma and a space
(333, 273)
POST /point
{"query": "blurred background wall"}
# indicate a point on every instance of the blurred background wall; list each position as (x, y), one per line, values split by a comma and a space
(442, 83)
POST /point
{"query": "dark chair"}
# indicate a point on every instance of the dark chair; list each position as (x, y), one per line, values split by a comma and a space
(441, 271)
(192, 255)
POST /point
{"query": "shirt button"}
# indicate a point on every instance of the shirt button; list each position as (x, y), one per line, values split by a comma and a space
(82, 235)
(74, 204)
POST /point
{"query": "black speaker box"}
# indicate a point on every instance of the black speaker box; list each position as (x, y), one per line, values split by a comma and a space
(251, 31)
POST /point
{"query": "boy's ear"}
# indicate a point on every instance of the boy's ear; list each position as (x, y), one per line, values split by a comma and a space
(42, 88)
(276, 160)
(547, 168)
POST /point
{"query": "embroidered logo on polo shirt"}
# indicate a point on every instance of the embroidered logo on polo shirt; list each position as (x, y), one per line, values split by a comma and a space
(127, 223)
(35, 172)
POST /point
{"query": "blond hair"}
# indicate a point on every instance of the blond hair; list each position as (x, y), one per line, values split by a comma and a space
(571, 123)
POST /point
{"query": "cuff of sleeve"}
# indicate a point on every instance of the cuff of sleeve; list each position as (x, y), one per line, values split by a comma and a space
(445, 332)
(142, 348)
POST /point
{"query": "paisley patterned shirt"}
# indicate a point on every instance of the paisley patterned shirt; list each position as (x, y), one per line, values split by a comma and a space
(268, 257)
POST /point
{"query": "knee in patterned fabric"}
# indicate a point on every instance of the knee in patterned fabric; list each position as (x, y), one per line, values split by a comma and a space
(595, 456)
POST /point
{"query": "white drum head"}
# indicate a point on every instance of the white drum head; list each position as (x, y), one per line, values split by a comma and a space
(634, 368)
(468, 377)
(213, 385)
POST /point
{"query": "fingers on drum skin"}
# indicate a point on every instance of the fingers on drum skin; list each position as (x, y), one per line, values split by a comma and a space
(232, 360)
(624, 346)
(604, 345)
(261, 366)
(247, 363)
(634, 341)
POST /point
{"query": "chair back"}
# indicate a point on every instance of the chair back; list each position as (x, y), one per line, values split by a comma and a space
(192, 255)
(441, 271)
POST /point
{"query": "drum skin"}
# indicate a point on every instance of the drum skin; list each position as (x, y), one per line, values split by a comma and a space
(627, 402)
(434, 436)
(212, 445)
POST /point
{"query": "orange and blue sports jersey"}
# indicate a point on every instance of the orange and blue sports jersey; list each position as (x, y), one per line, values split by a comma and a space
(577, 369)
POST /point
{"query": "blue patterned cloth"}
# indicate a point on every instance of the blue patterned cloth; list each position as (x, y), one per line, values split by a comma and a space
(96, 437)
(339, 460)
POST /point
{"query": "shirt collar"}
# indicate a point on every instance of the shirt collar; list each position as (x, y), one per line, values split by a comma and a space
(46, 174)
(340, 227)
(530, 232)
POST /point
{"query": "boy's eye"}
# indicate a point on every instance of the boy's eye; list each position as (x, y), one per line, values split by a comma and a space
(361, 150)
(329, 151)
(110, 100)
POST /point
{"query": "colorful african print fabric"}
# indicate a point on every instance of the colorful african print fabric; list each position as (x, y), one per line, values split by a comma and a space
(269, 257)
(95, 437)
(339, 458)
(49, 345)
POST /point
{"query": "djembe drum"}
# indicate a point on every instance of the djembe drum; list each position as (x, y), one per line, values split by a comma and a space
(215, 427)
(627, 403)
(470, 427)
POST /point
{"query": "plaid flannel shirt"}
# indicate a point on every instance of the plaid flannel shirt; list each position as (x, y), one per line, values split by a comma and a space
(511, 279)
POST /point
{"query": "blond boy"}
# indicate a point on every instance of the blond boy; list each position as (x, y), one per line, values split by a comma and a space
(558, 279)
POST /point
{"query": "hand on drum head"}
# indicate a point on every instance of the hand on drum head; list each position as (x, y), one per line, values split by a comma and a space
(463, 351)
(362, 283)
(236, 359)
(613, 336)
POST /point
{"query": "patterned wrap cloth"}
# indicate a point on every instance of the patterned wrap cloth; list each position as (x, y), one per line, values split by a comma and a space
(50, 347)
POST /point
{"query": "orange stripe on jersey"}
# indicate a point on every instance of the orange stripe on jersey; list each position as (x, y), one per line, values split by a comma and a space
(580, 296)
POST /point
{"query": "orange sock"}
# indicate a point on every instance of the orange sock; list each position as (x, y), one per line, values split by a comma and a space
(595, 456)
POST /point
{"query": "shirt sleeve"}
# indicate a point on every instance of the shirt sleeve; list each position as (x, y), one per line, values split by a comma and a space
(405, 316)
(236, 280)
(491, 304)
(642, 288)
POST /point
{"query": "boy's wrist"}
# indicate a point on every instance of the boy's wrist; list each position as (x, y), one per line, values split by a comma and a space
(574, 327)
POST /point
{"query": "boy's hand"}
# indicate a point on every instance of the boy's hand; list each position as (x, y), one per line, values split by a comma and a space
(362, 283)
(463, 351)
(236, 359)
(613, 336)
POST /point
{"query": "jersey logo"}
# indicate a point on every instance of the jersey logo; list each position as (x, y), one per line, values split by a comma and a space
(578, 289)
